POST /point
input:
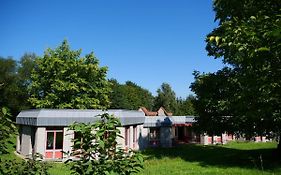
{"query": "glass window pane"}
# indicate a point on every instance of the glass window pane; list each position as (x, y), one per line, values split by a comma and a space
(50, 140)
(59, 140)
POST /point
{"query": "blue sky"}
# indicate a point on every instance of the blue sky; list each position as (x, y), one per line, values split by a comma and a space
(146, 41)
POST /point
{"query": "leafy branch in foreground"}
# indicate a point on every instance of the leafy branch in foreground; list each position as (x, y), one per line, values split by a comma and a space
(31, 166)
(96, 147)
(7, 128)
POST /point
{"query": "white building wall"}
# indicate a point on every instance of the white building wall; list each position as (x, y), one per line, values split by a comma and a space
(224, 138)
(204, 139)
(131, 133)
(67, 142)
(137, 144)
(166, 136)
(120, 140)
(18, 148)
(40, 140)
(143, 141)
(26, 147)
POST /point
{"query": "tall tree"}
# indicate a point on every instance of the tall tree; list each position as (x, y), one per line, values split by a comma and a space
(63, 79)
(24, 70)
(9, 87)
(14, 80)
(248, 40)
(166, 98)
(185, 106)
(214, 93)
(129, 96)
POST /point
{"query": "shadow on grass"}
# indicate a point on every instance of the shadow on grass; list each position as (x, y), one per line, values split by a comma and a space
(219, 156)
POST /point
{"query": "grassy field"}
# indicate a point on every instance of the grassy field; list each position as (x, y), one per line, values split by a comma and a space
(233, 158)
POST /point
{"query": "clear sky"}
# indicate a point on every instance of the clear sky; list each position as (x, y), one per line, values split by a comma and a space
(145, 41)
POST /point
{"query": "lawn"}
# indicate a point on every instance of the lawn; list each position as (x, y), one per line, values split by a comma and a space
(232, 158)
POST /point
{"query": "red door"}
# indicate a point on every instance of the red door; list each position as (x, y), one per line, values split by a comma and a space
(54, 144)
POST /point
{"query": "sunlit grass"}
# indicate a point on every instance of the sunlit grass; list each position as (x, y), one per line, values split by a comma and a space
(232, 158)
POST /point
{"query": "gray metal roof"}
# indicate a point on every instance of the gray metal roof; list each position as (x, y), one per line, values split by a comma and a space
(65, 117)
(157, 121)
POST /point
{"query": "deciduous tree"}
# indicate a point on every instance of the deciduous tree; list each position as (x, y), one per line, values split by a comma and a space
(166, 98)
(63, 79)
(129, 96)
(248, 40)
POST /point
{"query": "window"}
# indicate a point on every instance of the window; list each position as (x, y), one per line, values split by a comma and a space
(50, 140)
(59, 140)
(154, 136)
(54, 143)
(54, 140)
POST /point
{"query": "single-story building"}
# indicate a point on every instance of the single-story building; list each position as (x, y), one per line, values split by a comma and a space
(45, 131)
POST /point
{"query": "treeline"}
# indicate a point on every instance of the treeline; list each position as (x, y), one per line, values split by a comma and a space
(132, 96)
(15, 81)
(16, 90)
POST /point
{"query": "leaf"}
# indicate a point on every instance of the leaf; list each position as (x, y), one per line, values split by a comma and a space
(217, 39)
(4, 111)
(253, 18)
(263, 49)
(101, 144)
(211, 38)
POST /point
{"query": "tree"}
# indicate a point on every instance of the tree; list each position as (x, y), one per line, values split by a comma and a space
(185, 106)
(26, 65)
(24, 70)
(10, 90)
(214, 92)
(166, 98)
(63, 79)
(14, 79)
(99, 152)
(247, 40)
(129, 96)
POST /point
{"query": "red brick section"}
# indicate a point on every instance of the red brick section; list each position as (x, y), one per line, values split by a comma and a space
(147, 112)
(152, 113)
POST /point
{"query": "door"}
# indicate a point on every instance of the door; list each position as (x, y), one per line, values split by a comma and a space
(54, 143)
(180, 133)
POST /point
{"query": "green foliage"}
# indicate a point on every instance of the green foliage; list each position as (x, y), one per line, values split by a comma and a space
(247, 40)
(11, 167)
(166, 98)
(63, 79)
(129, 96)
(185, 106)
(214, 94)
(7, 128)
(32, 166)
(14, 79)
(8, 84)
(96, 146)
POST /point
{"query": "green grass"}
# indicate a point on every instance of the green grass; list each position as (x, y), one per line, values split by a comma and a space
(232, 158)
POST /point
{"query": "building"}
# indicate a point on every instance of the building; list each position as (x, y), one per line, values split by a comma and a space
(166, 130)
(45, 131)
